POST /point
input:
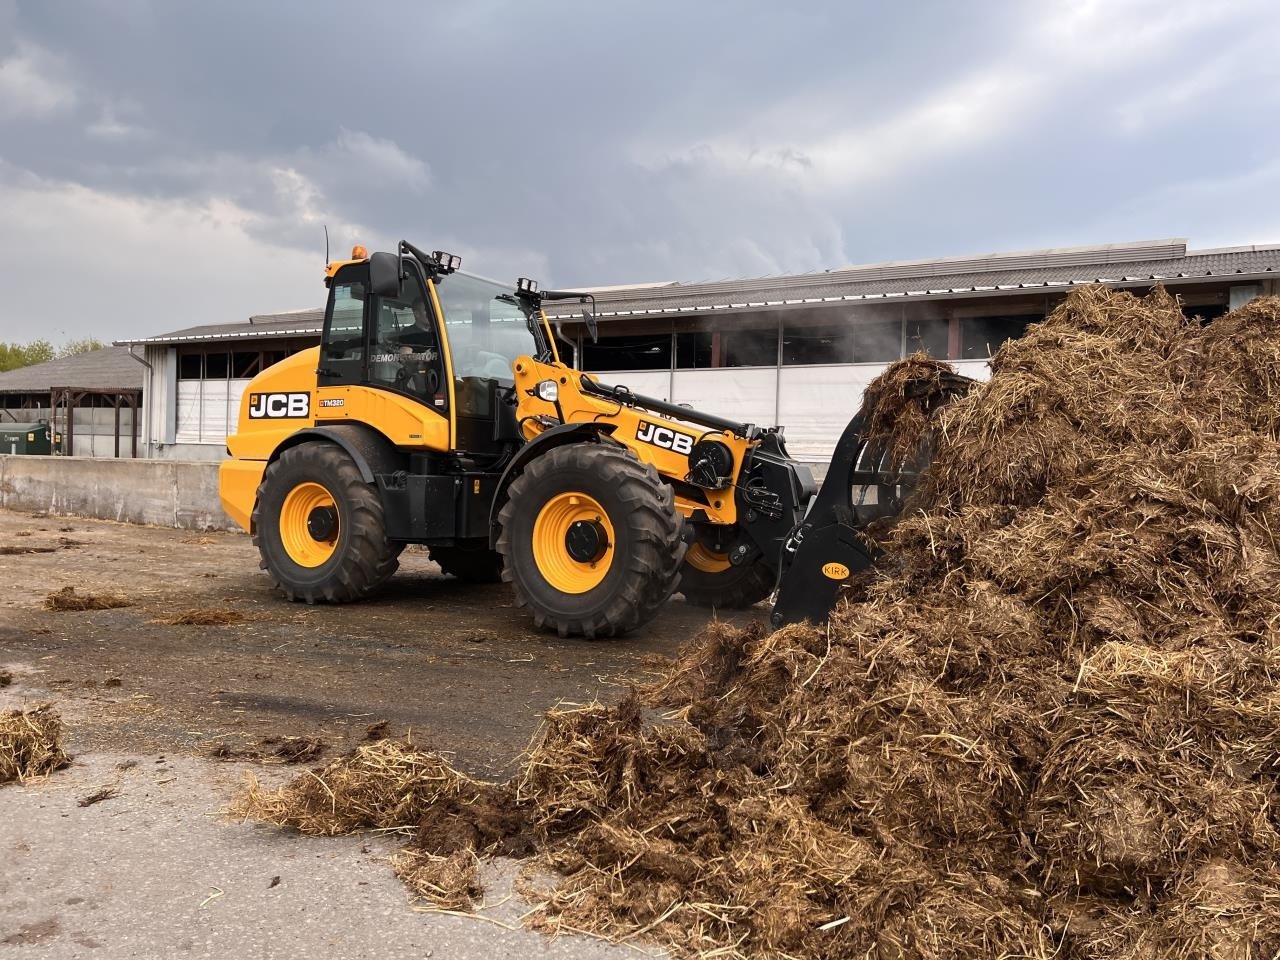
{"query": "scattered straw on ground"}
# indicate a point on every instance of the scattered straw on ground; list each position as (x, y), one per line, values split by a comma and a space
(108, 792)
(274, 750)
(205, 617)
(30, 744)
(450, 882)
(68, 599)
(1050, 728)
(387, 785)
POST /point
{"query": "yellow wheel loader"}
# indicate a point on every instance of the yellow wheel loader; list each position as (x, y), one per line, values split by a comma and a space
(437, 411)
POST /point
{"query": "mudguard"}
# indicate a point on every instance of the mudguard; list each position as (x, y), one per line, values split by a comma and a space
(588, 432)
(372, 452)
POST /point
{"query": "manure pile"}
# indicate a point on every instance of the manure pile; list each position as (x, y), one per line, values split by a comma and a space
(1049, 728)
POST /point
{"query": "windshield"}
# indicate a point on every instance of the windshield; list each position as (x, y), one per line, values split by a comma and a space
(486, 326)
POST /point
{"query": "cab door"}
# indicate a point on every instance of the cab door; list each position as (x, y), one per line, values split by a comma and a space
(381, 362)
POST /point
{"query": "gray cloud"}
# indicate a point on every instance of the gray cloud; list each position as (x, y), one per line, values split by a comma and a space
(170, 163)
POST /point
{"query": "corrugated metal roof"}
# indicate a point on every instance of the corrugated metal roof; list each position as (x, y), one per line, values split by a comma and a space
(110, 368)
(265, 325)
(989, 274)
(998, 274)
(1018, 260)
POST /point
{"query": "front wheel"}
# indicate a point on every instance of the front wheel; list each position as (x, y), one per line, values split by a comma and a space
(319, 527)
(591, 540)
(710, 580)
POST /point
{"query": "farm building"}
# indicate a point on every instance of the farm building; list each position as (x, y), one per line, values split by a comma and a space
(793, 350)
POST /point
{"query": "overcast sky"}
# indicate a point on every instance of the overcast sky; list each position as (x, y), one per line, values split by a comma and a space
(166, 163)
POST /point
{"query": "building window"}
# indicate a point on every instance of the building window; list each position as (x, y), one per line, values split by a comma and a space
(190, 366)
(929, 337)
(817, 343)
(879, 341)
(217, 366)
(981, 337)
(1205, 312)
(748, 348)
(637, 352)
(245, 364)
(694, 349)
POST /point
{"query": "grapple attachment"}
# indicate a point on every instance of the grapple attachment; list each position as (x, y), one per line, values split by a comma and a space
(877, 462)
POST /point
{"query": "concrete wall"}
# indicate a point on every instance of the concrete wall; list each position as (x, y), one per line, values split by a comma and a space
(215, 452)
(166, 493)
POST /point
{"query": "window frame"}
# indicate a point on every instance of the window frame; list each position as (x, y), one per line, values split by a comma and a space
(413, 274)
(357, 273)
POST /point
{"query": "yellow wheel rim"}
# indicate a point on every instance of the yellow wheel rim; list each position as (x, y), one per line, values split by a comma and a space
(551, 530)
(707, 560)
(298, 527)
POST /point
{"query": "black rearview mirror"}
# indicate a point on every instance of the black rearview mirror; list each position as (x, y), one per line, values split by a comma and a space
(589, 318)
(384, 275)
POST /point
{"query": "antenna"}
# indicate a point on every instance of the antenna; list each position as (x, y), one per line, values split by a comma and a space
(326, 245)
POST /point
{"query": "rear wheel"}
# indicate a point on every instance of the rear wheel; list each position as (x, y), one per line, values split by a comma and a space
(472, 563)
(591, 540)
(319, 527)
(710, 580)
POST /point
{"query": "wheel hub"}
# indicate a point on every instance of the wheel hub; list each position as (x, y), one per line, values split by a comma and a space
(586, 541)
(322, 522)
(707, 559)
(573, 542)
(309, 524)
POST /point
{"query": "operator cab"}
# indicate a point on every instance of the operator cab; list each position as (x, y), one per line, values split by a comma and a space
(446, 339)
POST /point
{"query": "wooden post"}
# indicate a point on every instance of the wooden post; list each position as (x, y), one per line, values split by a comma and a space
(69, 435)
(134, 404)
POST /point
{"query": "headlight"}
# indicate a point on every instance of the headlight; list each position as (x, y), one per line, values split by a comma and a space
(548, 390)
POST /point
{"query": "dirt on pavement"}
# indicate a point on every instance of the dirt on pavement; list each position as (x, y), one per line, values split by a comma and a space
(458, 664)
(208, 673)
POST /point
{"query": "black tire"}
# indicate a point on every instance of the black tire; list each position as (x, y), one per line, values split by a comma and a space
(644, 568)
(362, 557)
(733, 589)
(472, 563)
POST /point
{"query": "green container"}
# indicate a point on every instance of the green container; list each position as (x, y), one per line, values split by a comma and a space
(30, 438)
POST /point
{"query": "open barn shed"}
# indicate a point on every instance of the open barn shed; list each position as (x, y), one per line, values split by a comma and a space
(91, 401)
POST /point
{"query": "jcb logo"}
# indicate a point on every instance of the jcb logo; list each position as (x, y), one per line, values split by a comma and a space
(665, 437)
(279, 406)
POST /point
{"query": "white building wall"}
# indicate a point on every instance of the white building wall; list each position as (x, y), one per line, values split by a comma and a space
(186, 419)
(816, 403)
(745, 394)
(812, 403)
(207, 410)
(652, 383)
(159, 376)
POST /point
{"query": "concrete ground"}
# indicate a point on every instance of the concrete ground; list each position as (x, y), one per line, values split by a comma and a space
(155, 871)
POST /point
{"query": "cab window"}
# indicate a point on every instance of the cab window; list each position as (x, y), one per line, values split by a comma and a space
(488, 330)
(404, 348)
(342, 360)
